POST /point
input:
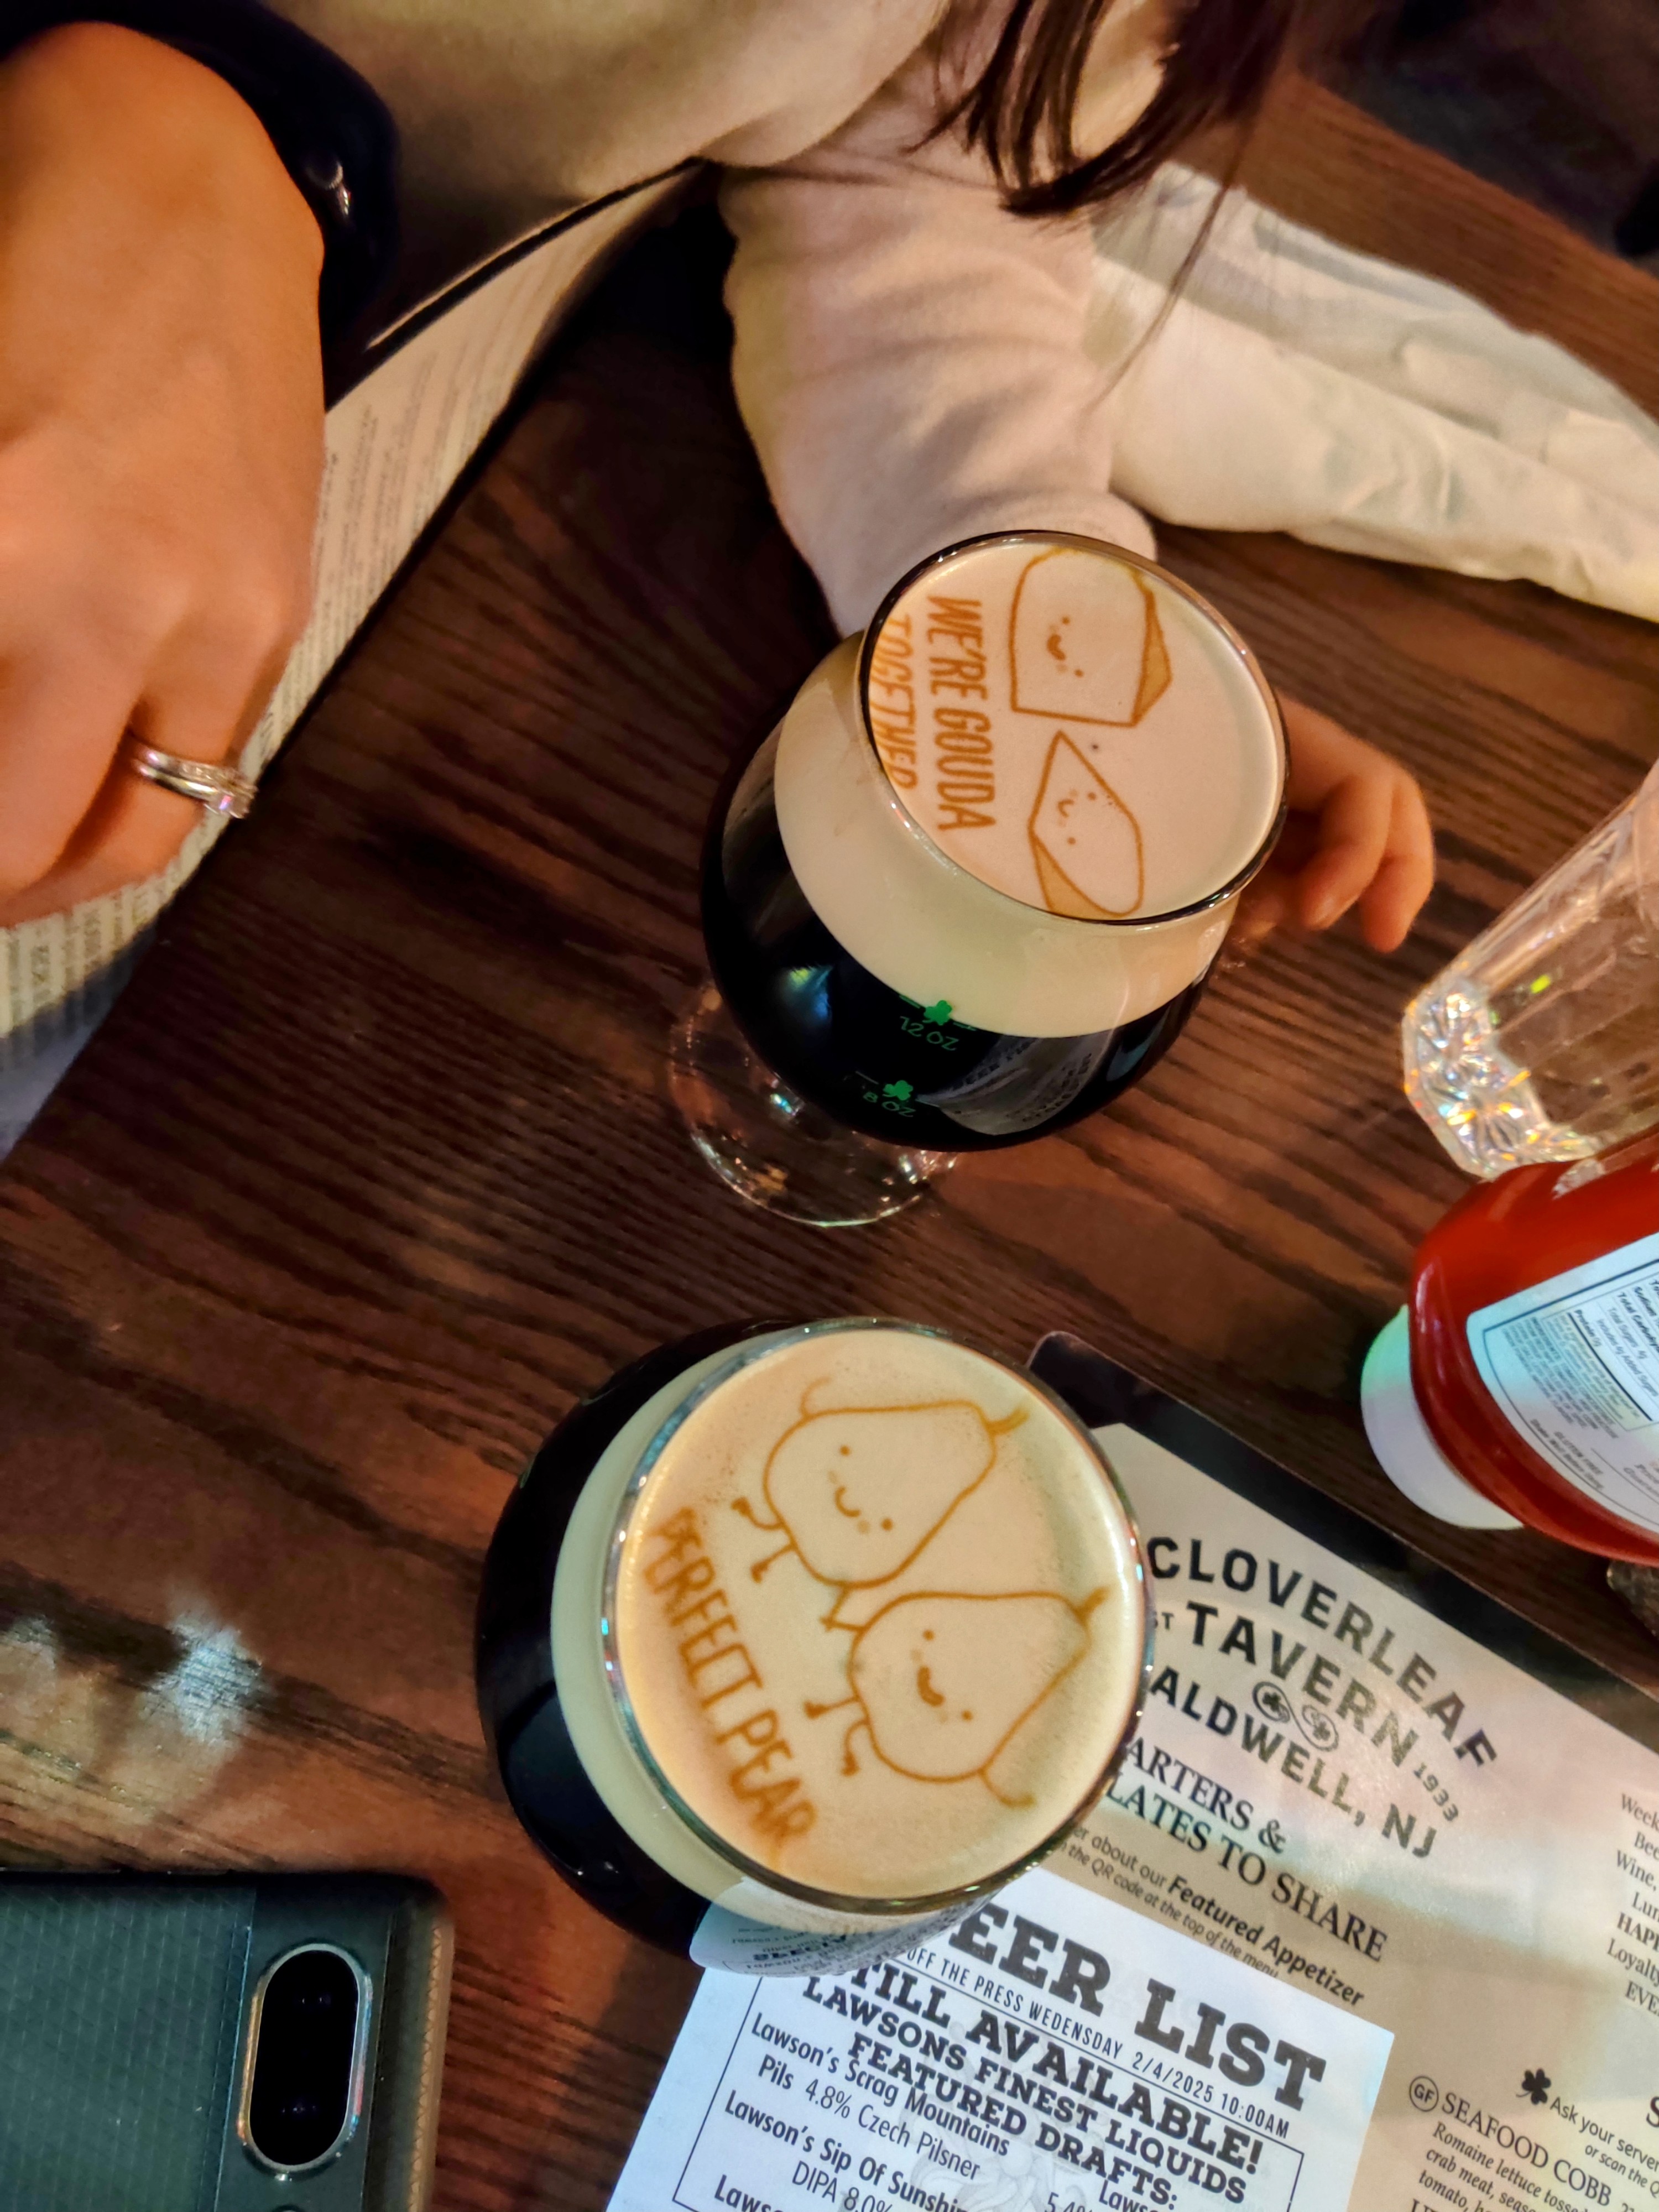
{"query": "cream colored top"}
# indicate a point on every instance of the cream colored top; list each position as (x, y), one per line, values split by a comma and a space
(877, 1615)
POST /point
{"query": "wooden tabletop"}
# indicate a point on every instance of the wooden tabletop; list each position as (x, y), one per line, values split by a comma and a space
(372, 1171)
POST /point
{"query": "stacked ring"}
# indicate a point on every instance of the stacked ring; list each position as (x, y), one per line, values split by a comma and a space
(220, 790)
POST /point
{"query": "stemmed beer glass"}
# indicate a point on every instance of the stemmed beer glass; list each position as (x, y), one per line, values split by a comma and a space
(970, 887)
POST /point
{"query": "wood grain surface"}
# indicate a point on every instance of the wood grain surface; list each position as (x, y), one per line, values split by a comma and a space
(372, 1171)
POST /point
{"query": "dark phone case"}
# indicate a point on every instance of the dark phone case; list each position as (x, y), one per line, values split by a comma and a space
(125, 2007)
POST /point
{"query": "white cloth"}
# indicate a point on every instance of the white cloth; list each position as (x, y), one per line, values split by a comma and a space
(1295, 385)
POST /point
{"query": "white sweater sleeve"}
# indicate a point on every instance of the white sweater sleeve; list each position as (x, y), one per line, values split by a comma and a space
(909, 356)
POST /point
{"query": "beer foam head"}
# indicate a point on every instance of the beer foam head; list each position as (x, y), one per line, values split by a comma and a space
(877, 1615)
(1074, 728)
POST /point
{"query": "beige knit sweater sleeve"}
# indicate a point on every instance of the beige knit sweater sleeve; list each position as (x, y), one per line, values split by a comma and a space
(909, 356)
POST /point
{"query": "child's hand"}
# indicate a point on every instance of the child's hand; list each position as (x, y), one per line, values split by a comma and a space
(1357, 829)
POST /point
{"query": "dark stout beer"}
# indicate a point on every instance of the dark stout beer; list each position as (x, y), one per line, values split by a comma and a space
(971, 888)
(867, 1056)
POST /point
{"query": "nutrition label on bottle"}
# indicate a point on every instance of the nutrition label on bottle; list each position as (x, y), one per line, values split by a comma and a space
(1574, 1363)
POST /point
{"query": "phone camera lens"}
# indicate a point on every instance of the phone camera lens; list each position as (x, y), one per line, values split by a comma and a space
(299, 2100)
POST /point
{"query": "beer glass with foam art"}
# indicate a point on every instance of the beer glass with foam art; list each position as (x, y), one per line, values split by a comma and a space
(796, 1640)
(969, 890)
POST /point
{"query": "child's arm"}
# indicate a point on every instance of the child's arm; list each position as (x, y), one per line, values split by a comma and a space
(909, 356)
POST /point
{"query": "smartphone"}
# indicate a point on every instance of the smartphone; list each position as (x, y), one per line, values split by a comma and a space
(220, 2043)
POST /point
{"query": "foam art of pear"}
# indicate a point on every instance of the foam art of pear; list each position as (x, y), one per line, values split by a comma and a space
(945, 1681)
(860, 1489)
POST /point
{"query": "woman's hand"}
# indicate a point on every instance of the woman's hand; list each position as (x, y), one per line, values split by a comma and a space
(161, 445)
(1358, 831)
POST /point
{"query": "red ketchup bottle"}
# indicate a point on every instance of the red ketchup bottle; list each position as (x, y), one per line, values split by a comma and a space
(1522, 1384)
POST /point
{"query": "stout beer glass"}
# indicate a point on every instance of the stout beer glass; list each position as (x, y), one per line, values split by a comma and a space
(796, 1640)
(970, 888)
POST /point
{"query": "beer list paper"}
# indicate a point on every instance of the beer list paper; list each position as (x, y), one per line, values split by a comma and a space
(1344, 1826)
(894, 2085)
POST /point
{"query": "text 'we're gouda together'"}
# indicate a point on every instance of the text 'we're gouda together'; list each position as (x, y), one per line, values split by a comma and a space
(1071, 729)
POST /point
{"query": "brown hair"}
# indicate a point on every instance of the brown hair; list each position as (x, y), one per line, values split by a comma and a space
(1220, 60)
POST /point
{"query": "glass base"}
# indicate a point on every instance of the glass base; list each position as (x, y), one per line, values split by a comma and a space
(774, 1148)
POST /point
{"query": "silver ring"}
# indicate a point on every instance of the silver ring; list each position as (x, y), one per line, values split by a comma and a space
(220, 790)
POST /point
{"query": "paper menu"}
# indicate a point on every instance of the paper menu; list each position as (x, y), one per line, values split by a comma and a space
(1357, 1797)
(1054, 2052)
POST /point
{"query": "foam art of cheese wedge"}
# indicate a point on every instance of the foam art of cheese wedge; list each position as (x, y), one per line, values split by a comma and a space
(1085, 841)
(1086, 641)
(1075, 728)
